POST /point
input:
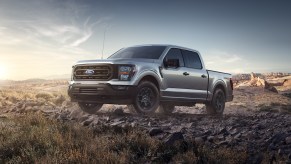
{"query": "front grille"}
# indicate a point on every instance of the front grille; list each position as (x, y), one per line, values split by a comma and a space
(93, 72)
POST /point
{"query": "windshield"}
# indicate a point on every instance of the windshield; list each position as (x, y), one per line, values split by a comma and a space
(145, 52)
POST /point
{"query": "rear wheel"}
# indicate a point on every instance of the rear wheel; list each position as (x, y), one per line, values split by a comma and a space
(90, 108)
(147, 98)
(217, 105)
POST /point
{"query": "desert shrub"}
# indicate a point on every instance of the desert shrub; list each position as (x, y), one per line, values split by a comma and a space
(44, 95)
(59, 100)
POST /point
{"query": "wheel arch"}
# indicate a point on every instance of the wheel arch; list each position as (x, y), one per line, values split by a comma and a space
(221, 86)
(149, 76)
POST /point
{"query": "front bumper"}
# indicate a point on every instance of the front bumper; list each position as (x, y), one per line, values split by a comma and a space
(102, 93)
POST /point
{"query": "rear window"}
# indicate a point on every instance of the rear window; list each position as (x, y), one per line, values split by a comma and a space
(192, 59)
(146, 52)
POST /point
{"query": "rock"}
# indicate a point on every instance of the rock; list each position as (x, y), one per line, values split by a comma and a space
(221, 143)
(220, 136)
(84, 117)
(149, 124)
(63, 116)
(88, 121)
(133, 124)
(155, 131)
(178, 129)
(94, 122)
(223, 131)
(253, 80)
(210, 138)
(233, 131)
(288, 140)
(117, 123)
(272, 89)
(199, 140)
(253, 76)
(208, 132)
(237, 136)
(75, 114)
(260, 82)
(172, 138)
(118, 111)
(287, 83)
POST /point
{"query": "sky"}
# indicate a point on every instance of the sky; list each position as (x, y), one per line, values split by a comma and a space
(42, 38)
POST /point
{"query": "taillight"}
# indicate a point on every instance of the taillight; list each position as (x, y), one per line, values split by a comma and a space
(231, 83)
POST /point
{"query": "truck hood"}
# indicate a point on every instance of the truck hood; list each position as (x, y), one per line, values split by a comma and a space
(116, 61)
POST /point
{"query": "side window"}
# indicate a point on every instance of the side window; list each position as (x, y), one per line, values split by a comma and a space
(175, 53)
(192, 59)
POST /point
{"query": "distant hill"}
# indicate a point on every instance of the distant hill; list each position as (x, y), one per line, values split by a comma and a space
(56, 77)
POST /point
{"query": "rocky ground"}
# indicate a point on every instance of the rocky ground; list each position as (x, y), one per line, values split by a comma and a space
(257, 121)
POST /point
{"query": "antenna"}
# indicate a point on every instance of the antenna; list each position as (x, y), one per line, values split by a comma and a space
(103, 41)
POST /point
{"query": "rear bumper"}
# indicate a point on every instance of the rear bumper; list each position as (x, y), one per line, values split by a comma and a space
(102, 93)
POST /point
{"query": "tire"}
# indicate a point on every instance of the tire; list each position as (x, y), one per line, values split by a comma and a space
(89, 107)
(217, 105)
(166, 108)
(147, 98)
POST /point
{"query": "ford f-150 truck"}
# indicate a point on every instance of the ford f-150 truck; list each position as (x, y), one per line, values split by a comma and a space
(150, 77)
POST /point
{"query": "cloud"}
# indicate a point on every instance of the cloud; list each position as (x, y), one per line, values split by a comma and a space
(225, 61)
(65, 34)
(53, 34)
(232, 58)
(214, 57)
(86, 33)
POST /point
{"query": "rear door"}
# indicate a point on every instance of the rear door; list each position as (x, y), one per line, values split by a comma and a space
(196, 79)
(185, 81)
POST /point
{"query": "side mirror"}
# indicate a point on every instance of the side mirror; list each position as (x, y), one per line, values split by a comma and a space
(172, 63)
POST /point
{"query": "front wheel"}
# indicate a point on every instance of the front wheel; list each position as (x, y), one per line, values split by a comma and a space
(147, 98)
(217, 105)
(90, 108)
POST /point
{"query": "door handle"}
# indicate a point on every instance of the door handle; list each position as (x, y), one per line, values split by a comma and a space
(203, 76)
(185, 73)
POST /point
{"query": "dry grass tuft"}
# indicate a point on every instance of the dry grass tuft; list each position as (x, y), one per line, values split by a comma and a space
(35, 139)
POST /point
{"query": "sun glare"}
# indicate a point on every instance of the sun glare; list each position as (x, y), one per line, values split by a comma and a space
(2, 72)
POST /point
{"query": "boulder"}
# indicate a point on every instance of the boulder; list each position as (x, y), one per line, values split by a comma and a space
(272, 89)
(261, 82)
(172, 138)
(287, 83)
(155, 131)
(118, 111)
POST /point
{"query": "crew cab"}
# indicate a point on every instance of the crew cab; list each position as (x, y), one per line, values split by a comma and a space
(148, 78)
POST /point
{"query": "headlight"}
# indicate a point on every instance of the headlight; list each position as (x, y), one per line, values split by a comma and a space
(125, 73)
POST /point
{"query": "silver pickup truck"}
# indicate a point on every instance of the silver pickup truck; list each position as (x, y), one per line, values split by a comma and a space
(150, 77)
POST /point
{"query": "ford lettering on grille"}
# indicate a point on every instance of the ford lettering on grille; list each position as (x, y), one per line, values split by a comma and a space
(89, 72)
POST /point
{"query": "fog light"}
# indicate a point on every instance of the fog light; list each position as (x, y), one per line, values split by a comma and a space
(119, 87)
